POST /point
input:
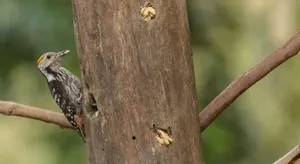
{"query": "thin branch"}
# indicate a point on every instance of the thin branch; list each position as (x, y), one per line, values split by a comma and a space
(292, 157)
(14, 109)
(245, 81)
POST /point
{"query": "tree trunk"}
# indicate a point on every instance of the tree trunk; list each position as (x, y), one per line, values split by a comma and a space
(139, 86)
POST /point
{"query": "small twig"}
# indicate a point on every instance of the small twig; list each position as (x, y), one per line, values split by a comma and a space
(14, 109)
(292, 157)
(245, 81)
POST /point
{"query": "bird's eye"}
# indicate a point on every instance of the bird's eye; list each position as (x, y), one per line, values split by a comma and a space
(48, 56)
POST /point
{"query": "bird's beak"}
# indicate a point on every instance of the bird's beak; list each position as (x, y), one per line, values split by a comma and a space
(63, 53)
(39, 60)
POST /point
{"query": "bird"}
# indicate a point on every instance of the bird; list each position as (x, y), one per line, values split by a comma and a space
(65, 88)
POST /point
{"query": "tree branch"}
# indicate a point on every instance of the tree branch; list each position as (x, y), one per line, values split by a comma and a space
(14, 109)
(245, 81)
(292, 157)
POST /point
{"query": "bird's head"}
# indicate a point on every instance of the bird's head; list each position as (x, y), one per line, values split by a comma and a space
(50, 59)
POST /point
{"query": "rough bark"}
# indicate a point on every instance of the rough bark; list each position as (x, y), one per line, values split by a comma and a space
(138, 79)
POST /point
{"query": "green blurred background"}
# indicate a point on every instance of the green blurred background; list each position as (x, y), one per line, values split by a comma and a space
(228, 38)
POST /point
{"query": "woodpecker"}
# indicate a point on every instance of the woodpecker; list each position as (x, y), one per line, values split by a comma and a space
(65, 88)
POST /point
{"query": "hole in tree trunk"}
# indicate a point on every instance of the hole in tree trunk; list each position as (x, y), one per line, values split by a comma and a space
(92, 106)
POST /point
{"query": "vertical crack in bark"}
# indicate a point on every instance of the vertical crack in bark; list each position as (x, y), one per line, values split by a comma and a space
(90, 102)
(92, 109)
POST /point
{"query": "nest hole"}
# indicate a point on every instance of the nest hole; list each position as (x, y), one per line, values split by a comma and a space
(92, 105)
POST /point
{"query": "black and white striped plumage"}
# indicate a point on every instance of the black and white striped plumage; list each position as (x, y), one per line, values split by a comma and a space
(64, 87)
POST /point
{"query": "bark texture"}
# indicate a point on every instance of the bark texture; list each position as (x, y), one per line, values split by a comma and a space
(138, 77)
